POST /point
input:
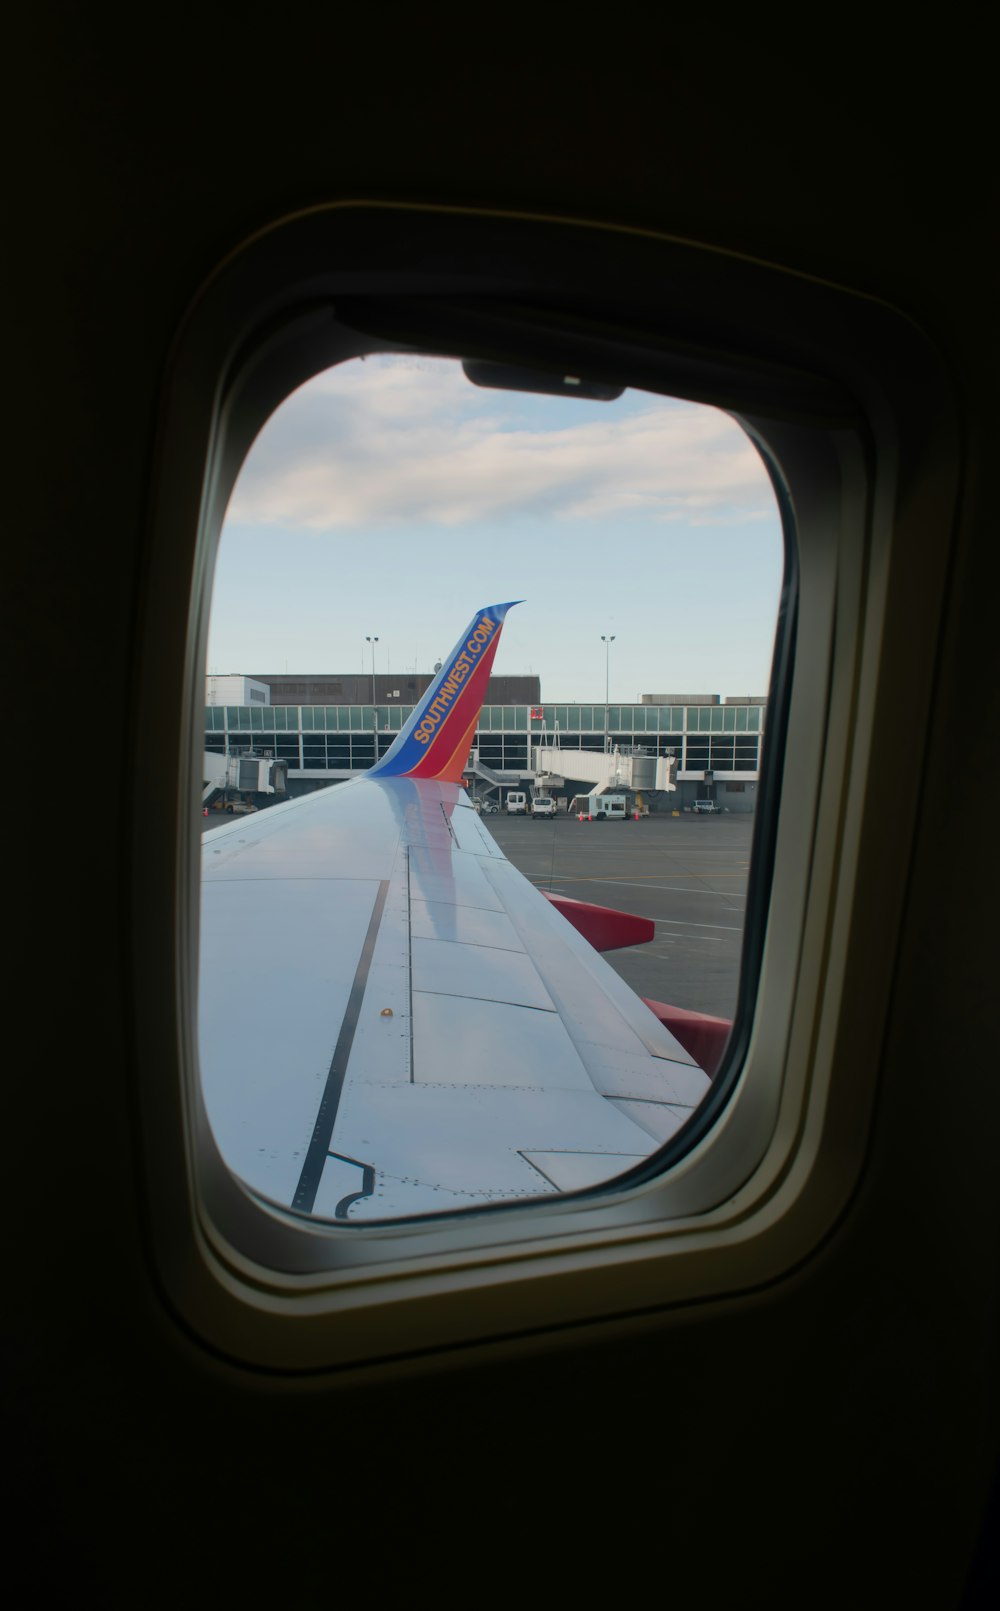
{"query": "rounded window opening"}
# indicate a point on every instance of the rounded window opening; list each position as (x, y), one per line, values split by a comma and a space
(474, 876)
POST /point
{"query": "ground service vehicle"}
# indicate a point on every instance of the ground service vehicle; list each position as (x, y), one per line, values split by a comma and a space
(706, 807)
(782, 1372)
(613, 807)
(543, 805)
(516, 803)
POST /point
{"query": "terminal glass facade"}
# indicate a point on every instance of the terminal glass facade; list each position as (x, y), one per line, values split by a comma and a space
(325, 740)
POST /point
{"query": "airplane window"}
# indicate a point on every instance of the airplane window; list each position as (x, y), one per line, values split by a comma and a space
(427, 807)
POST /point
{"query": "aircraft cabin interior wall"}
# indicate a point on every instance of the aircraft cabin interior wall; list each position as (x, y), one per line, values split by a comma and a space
(818, 1429)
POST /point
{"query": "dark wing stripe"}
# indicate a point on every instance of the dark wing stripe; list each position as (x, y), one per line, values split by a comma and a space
(312, 1169)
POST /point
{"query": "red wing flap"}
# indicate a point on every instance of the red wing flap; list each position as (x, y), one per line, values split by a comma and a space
(606, 929)
(704, 1038)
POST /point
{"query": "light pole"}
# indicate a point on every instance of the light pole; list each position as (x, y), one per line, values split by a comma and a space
(607, 641)
(373, 641)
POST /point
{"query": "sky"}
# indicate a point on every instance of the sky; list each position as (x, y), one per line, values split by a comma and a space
(391, 498)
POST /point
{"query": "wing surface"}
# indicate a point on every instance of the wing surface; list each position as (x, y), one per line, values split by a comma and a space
(394, 1021)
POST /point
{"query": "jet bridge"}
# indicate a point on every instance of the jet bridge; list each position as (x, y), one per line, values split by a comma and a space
(615, 769)
(242, 774)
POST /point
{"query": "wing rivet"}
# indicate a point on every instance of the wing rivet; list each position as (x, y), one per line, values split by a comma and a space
(386, 1012)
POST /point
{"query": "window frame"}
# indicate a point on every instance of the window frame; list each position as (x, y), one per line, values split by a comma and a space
(844, 401)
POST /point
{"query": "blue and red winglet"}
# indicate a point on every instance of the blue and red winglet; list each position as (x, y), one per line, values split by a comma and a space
(436, 740)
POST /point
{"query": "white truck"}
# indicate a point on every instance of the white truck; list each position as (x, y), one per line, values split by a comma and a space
(543, 805)
(705, 806)
(516, 803)
(602, 807)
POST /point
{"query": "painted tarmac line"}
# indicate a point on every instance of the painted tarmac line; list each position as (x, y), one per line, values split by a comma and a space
(677, 889)
(682, 923)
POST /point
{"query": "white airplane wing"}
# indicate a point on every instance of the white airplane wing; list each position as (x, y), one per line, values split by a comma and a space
(393, 1021)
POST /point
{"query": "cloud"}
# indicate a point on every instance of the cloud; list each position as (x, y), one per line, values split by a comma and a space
(387, 442)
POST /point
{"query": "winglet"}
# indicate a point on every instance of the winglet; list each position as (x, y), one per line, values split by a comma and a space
(435, 741)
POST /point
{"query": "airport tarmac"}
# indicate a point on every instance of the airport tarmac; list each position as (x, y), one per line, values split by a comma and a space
(687, 873)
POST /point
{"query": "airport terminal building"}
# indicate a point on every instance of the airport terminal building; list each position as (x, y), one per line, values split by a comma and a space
(327, 728)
